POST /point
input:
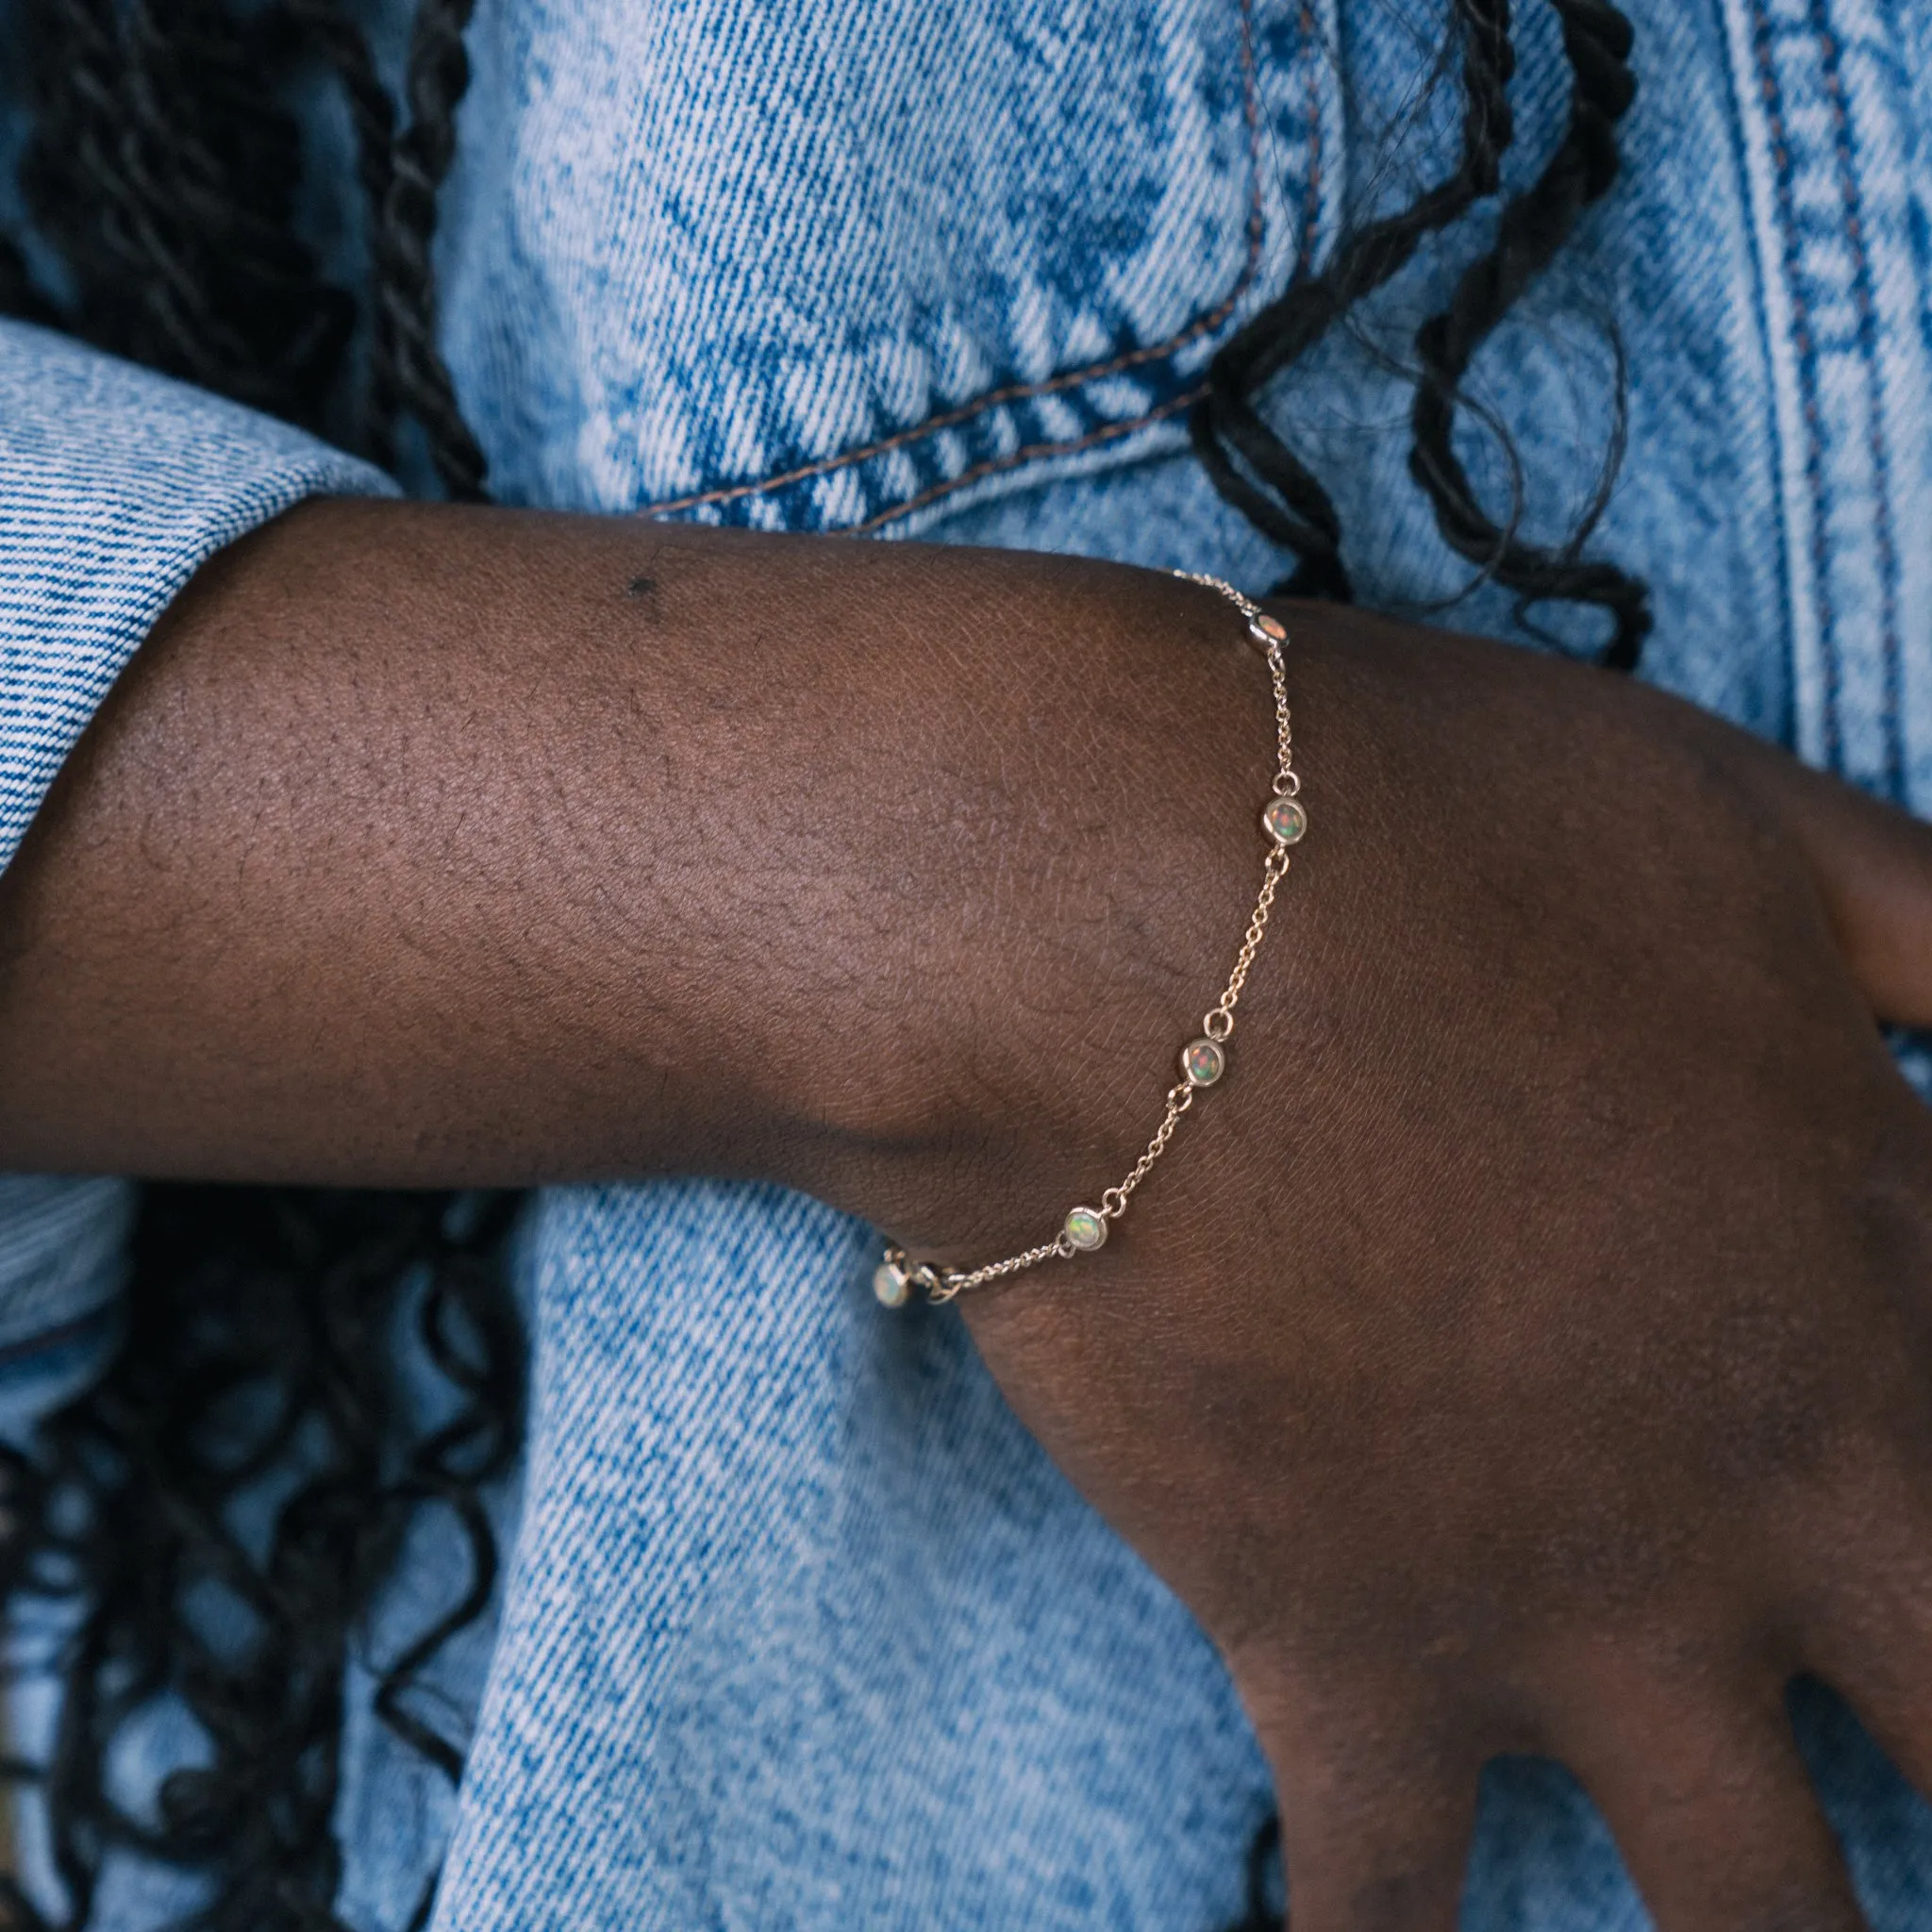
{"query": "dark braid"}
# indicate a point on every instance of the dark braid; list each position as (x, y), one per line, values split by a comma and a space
(19, 295)
(405, 356)
(1281, 496)
(135, 1499)
(1534, 224)
(1263, 1876)
(164, 174)
(1299, 515)
(333, 35)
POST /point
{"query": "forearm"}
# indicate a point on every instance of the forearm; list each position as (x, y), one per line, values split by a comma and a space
(426, 845)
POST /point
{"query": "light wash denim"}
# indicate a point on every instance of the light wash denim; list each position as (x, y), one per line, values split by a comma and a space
(800, 1629)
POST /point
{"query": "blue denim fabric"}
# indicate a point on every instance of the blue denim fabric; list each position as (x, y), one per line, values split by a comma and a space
(804, 268)
(804, 1629)
(61, 1262)
(801, 1629)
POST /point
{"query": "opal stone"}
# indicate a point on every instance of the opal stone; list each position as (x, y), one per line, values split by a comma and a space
(1269, 629)
(889, 1284)
(1086, 1229)
(1204, 1061)
(1284, 820)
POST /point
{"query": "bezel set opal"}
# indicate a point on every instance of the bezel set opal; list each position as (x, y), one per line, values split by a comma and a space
(1285, 819)
(1085, 1228)
(1203, 1060)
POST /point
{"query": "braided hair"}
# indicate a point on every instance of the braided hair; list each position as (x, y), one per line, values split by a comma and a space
(261, 1329)
(160, 176)
(1533, 226)
(1247, 459)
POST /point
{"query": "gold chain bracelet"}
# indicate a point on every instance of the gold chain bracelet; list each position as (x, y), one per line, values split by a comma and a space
(1204, 1060)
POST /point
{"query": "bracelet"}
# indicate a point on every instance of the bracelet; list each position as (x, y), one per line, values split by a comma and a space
(1204, 1060)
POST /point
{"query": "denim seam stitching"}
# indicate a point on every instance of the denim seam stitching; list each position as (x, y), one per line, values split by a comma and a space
(1052, 385)
(1864, 296)
(1112, 431)
(1030, 453)
(1806, 362)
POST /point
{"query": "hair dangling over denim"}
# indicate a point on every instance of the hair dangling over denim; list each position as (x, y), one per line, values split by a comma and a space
(1531, 228)
(162, 175)
(1251, 465)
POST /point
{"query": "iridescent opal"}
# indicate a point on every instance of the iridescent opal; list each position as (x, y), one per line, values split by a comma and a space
(1284, 820)
(1204, 1061)
(1270, 629)
(888, 1283)
(1086, 1229)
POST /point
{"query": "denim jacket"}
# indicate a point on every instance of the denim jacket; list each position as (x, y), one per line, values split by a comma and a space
(780, 1645)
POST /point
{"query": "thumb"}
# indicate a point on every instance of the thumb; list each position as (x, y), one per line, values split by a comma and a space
(1871, 864)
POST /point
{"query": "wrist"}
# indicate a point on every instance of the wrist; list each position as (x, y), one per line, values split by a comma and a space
(427, 845)
(1073, 1081)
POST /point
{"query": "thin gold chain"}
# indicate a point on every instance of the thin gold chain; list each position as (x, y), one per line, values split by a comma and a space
(1204, 1060)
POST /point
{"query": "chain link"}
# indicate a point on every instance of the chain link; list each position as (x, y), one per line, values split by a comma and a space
(1276, 871)
(951, 1281)
(897, 1273)
(1113, 1204)
(1287, 779)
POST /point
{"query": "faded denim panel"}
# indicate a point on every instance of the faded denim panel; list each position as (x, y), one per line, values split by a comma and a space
(700, 247)
(804, 1628)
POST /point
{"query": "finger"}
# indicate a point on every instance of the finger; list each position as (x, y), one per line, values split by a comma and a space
(1872, 1641)
(1717, 1820)
(1871, 864)
(1375, 1841)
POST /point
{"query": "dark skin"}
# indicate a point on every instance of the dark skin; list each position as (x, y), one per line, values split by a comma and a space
(1527, 1347)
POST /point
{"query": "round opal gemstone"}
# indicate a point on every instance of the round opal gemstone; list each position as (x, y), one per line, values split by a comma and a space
(1272, 628)
(1284, 820)
(1086, 1229)
(888, 1283)
(1204, 1061)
